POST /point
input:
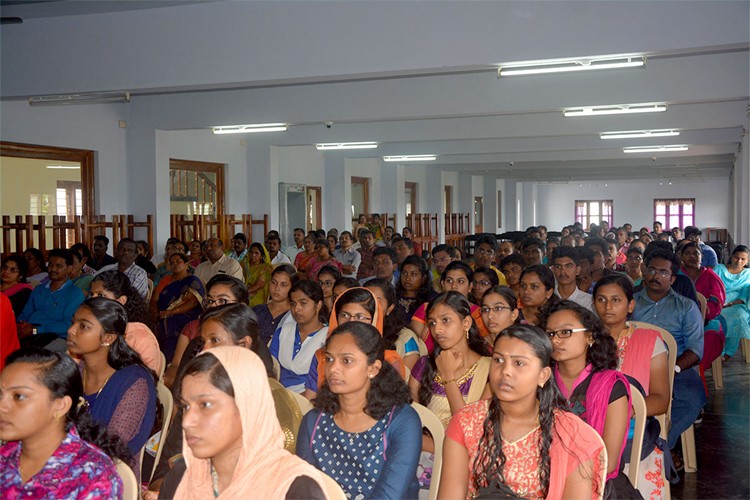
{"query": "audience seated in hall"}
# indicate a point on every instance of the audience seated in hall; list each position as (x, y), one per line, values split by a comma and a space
(217, 263)
(51, 307)
(126, 253)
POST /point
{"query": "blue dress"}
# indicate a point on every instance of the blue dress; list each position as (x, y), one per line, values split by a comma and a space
(380, 462)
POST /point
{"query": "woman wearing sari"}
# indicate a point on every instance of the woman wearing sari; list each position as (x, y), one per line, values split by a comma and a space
(258, 275)
(735, 315)
(303, 259)
(708, 284)
(179, 303)
(13, 282)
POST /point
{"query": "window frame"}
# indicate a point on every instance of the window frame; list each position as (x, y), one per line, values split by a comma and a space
(681, 202)
(587, 218)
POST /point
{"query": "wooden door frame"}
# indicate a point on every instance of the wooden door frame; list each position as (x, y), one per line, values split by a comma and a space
(448, 197)
(204, 166)
(478, 228)
(84, 157)
(318, 190)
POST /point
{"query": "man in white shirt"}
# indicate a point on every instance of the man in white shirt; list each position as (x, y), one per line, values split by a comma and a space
(347, 255)
(566, 267)
(239, 247)
(299, 244)
(273, 244)
(125, 255)
(217, 263)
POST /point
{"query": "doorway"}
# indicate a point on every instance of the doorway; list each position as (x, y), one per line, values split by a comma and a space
(410, 195)
(448, 200)
(360, 198)
(478, 214)
(314, 208)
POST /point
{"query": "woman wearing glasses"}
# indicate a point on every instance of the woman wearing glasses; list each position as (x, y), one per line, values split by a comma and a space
(499, 310)
(585, 371)
(327, 276)
(221, 289)
(484, 279)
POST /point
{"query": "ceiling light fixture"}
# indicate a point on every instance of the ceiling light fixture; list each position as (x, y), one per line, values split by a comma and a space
(345, 145)
(615, 109)
(63, 167)
(410, 158)
(87, 98)
(244, 129)
(570, 65)
(655, 149)
(638, 134)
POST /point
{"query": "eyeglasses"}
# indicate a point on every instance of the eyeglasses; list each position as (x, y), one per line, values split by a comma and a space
(495, 309)
(564, 334)
(326, 284)
(345, 316)
(216, 302)
(482, 283)
(664, 273)
(5, 267)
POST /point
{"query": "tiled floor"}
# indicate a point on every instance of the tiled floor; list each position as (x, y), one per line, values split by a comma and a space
(722, 440)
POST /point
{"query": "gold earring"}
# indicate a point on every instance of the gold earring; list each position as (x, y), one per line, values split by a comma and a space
(467, 334)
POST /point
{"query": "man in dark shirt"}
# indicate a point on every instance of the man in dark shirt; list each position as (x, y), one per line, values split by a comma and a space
(101, 258)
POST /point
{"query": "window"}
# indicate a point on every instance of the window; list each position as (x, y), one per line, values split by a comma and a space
(677, 212)
(593, 212)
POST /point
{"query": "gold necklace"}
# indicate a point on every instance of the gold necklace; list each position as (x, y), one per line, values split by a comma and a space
(102, 387)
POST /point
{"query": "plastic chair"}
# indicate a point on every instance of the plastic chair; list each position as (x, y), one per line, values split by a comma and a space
(687, 437)
(716, 370)
(276, 368)
(162, 367)
(150, 291)
(304, 404)
(130, 488)
(435, 426)
(639, 412)
(333, 489)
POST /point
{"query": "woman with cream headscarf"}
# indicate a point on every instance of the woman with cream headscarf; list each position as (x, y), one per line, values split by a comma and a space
(233, 443)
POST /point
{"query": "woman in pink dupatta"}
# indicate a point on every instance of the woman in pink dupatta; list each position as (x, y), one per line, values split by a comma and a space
(642, 355)
(585, 373)
(708, 284)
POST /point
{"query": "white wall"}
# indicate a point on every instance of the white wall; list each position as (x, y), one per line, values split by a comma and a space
(633, 201)
(418, 174)
(372, 169)
(301, 165)
(92, 127)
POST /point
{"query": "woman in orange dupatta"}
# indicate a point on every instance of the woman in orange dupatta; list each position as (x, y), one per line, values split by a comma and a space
(355, 304)
(233, 444)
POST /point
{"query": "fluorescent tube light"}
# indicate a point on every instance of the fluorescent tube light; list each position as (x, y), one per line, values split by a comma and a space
(410, 158)
(615, 109)
(569, 65)
(655, 149)
(243, 129)
(63, 167)
(88, 98)
(637, 134)
(346, 145)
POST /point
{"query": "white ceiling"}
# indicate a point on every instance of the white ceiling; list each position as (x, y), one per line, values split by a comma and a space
(341, 62)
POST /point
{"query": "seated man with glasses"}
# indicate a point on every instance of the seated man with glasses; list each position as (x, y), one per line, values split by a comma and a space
(566, 267)
(484, 255)
(658, 304)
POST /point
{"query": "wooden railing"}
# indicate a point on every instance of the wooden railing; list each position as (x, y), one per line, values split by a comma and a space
(203, 227)
(26, 231)
(457, 227)
(425, 227)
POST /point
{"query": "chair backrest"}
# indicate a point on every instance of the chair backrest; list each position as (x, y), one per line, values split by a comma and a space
(130, 488)
(435, 426)
(162, 367)
(639, 413)
(304, 404)
(167, 401)
(150, 291)
(704, 305)
(665, 418)
(333, 489)
(276, 368)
